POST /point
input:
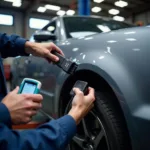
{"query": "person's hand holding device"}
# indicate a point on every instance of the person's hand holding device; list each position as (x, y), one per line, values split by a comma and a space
(22, 106)
(43, 50)
(81, 104)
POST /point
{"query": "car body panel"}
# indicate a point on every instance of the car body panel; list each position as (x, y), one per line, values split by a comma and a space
(121, 58)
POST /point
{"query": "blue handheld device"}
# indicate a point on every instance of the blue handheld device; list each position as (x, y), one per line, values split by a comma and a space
(30, 86)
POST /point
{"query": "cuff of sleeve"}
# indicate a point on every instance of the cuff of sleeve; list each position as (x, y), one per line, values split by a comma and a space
(69, 125)
(21, 46)
(5, 115)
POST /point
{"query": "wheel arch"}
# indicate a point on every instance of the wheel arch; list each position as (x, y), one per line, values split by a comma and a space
(106, 82)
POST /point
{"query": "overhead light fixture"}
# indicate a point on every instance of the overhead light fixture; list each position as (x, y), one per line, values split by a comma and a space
(98, 1)
(8, 0)
(41, 9)
(52, 7)
(96, 9)
(118, 18)
(114, 11)
(61, 13)
(121, 3)
(15, 3)
(70, 12)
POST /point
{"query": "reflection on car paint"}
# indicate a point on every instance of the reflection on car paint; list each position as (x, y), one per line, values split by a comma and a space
(75, 49)
(131, 39)
(111, 41)
(132, 32)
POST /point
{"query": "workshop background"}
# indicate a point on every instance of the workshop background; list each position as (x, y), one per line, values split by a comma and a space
(24, 17)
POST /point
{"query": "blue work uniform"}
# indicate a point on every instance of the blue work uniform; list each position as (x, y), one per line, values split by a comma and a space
(54, 135)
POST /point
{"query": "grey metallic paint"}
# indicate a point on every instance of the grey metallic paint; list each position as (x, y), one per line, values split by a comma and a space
(121, 58)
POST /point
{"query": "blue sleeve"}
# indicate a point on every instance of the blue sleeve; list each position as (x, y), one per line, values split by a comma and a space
(5, 115)
(11, 46)
(53, 135)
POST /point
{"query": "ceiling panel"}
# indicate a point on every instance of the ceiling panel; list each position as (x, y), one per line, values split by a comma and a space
(135, 6)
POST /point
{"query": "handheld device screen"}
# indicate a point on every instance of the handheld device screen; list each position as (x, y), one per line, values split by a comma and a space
(28, 88)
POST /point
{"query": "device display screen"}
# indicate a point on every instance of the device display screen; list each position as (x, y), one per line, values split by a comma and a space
(28, 88)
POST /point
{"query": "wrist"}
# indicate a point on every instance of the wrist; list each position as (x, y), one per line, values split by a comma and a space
(76, 114)
(28, 47)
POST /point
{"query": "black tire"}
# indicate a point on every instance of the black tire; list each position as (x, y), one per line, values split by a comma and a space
(112, 122)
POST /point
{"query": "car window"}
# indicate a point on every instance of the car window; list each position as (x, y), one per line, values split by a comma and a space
(84, 26)
(51, 27)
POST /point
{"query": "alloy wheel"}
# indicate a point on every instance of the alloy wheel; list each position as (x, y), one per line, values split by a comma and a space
(90, 135)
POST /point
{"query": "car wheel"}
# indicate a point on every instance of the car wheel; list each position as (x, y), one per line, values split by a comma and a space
(102, 129)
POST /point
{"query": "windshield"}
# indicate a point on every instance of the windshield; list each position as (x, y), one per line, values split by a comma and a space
(83, 26)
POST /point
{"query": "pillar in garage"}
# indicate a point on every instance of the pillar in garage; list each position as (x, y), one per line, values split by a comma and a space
(84, 7)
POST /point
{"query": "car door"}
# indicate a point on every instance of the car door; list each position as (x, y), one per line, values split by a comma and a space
(47, 74)
(40, 69)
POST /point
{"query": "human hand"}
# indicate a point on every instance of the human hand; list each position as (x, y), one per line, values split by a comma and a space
(22, 106)
(81, 104)
(43, 50)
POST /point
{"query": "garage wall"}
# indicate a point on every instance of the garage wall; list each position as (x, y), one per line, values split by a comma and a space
(144, 17)
(31, 31)
(17, 28)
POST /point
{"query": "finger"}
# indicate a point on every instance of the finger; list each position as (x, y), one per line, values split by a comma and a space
(54, 47)
(35, 97)
(16, 90)
(52, 57)
(91, 94)
(77, 91)
(33, 112)
(36, 106)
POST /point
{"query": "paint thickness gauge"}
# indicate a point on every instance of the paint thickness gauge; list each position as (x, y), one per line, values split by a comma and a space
(30, 86)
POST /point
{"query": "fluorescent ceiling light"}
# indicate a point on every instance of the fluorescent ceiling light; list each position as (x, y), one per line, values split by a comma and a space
(41, 9)
(17, 4)
(121, 3)
(61, 13)
(6, 20)
(118, 18)
(114, 11)
(9, 0)
(96, 9)
(70, 12)
(98, 1)
(52, 7)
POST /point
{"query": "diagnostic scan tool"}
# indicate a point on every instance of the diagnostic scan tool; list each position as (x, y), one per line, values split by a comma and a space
(30, 86)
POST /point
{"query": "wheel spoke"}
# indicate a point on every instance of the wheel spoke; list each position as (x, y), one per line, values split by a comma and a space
(87, 134)
(78, 141)
(98, 138)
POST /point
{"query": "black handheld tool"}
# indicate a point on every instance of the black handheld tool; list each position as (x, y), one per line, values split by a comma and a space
(67, 65)
(82, 85)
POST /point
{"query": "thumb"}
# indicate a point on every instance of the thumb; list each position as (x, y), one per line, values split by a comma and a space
(77, 90)
(16, 90)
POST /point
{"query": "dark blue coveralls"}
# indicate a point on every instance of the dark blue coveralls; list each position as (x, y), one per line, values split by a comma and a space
(50, 136)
